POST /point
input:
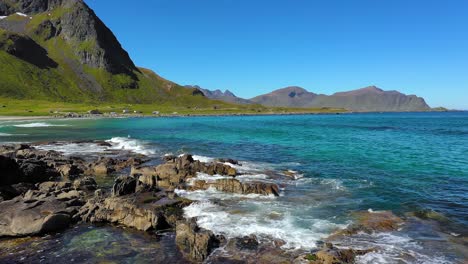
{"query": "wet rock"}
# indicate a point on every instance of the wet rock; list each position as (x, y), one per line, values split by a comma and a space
(235, 186)
(124, 185)
(195, 243)
(247, 243)
(370, 222)
(330, 254)
(231, 161)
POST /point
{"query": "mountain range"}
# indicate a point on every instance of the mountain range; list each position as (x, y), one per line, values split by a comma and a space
(59, 50)
(368, 99)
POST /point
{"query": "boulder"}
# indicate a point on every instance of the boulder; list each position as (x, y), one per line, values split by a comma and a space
(143, 211)
(50, 208)
(196, 244)
(124, 185)
(36, 171)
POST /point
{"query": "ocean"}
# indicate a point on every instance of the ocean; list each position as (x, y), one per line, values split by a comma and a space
(403, 162)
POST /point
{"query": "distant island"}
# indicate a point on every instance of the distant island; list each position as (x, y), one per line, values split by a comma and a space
(61, 52)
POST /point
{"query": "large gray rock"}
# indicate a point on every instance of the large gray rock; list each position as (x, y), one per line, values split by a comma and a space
(50, 208)
(143, 211)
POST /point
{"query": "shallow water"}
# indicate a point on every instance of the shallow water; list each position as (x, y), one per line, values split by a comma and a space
(92, 244)
(402, 162)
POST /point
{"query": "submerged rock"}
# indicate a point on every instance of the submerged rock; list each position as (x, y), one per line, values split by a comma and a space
(195, 243)
(378, 221)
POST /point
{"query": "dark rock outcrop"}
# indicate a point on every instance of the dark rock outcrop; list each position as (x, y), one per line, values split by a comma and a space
(26, 49)
(124, 185)
(10, 169)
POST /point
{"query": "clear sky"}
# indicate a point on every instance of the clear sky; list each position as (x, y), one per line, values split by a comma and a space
(255, 46)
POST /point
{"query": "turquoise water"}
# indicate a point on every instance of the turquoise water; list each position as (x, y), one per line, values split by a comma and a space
(394, 161)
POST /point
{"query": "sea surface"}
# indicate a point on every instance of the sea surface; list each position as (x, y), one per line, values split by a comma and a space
(403, 162)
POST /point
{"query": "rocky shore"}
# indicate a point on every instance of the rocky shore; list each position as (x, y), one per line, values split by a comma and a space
(45, 192)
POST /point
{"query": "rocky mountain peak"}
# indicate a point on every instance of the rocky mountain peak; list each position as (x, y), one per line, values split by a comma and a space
(76, 23)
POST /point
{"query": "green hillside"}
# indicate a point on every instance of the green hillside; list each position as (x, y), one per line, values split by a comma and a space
(48, 55)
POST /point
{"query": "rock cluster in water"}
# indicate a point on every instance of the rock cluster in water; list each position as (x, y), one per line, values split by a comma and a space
(46, 191)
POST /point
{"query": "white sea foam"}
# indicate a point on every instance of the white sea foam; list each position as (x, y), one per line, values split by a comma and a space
(74, 148)
(213, 194)
(130, 144)
(39, 124)
(334, 184)
(282, 226)
(5, 135)
(203, 158)
(117, 143)
(391, 247)
(209, 178)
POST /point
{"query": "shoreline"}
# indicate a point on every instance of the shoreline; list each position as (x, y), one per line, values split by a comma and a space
(104, 116)
(77, 191)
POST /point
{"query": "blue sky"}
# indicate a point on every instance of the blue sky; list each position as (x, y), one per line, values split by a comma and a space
(253, 47)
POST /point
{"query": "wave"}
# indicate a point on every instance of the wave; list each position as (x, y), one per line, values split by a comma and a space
(130, 144)
(74, 148)
(392, 246)
(116, 143)
(266, 222)
(39, 124)
(5, 135)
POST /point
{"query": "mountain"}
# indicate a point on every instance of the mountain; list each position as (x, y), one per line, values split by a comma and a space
(226, 96)
(364, 100)
(60, 50)
(292, 96)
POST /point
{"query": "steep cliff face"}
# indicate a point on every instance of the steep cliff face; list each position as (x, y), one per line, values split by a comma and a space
(72, 20)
